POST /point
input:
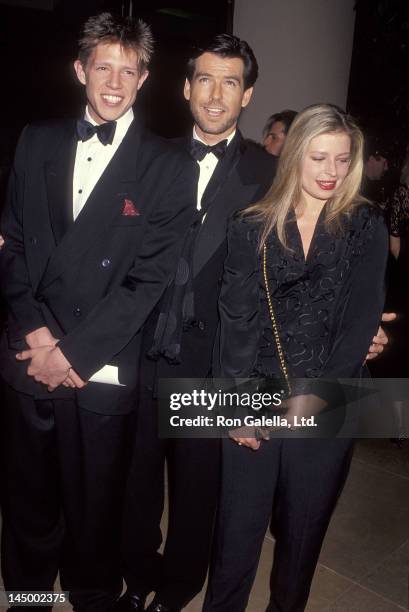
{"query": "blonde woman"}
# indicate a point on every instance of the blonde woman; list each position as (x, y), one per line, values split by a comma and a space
(311, 255)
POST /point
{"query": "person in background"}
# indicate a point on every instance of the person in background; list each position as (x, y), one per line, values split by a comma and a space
(275, 131)
(393, 366)
(376, 166)
(398, 215)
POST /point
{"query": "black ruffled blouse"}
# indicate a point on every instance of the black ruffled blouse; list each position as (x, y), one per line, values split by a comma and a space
(327, 306)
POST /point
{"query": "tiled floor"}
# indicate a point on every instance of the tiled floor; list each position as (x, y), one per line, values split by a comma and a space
(364, 564)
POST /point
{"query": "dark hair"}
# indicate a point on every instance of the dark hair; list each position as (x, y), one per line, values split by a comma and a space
(226, 45)
(376, 146)
(286, 117)
(128, 32)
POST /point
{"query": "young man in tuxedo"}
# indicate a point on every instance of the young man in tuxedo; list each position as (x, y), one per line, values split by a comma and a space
(233, 174)
(95, 214)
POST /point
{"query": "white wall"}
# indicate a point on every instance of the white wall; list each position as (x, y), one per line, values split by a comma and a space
(304, 52)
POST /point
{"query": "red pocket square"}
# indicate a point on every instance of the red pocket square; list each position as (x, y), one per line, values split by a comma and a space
(129, 209)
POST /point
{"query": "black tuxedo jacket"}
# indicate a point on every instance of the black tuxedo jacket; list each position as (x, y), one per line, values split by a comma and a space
(241, 178)
(94, 281)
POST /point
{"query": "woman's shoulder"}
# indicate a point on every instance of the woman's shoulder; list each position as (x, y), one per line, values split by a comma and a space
(242, 243)
(367, 224)
(366, 214)
(245, 224)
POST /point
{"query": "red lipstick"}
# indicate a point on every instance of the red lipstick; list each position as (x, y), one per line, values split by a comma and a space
(326, 185)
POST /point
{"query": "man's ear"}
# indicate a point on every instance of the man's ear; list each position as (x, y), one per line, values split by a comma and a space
(143, 78)
(247, 97)
(80, 72)
(186, 90)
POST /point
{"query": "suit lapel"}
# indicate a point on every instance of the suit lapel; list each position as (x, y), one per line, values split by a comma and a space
(223, 169)
(234, 195)
(104, 203)
(238, 187)
(58, 176)
(229, 189)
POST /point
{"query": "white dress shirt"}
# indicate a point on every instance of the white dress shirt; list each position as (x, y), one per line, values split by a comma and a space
(207, 166)
(91, 159)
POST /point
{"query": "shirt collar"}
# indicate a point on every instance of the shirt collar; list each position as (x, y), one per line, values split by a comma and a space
(197, 137)
(122, 124)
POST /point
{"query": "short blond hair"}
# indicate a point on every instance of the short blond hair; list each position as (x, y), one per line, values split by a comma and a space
(106, 28)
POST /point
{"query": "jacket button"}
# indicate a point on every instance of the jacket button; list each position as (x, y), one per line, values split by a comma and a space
(77, 312)
(105, 262)
(33, 240)
(201, 325)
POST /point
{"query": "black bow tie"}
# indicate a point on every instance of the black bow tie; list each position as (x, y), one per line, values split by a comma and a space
(199, 150)
(105, 131)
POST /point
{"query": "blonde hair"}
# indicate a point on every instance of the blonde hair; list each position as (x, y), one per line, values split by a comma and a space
(286, 190)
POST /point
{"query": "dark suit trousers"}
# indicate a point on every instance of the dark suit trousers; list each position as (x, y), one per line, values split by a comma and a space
(296, 483)
(193, 477)
(64, 472)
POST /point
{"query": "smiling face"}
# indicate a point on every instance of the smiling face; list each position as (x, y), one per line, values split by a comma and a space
(325, 165)
(112, 80)
(217, 95)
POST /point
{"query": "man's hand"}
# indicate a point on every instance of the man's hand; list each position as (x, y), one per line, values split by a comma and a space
(49, 366)
(245, 436)
(73, 380)
(381, 339)
(1, 241)
(40, 337)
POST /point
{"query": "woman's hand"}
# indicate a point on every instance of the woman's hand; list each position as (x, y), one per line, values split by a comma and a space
(245, 436)
(381, 339)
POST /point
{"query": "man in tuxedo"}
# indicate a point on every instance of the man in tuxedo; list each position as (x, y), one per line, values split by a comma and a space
(181, 333)
(94, 218)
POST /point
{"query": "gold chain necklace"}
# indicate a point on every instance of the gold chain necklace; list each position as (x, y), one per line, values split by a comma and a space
(274, 323)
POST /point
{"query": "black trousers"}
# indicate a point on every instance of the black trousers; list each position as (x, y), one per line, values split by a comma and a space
(293, 482)
(64, 477)
(193, 476)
